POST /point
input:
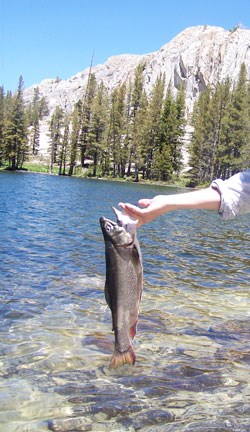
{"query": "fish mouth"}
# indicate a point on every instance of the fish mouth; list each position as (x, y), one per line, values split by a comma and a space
(104, 220)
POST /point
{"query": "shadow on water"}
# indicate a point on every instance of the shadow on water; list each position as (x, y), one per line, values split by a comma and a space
(192, 344)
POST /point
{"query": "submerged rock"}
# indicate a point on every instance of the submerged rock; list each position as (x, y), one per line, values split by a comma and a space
(149, 418)
(68, 425)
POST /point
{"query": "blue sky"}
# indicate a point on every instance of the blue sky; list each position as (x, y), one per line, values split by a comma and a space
(42, 39)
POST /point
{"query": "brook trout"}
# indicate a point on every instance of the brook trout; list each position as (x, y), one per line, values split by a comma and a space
(123, 286)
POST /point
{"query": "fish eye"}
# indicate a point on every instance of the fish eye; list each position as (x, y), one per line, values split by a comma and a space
(108, 227)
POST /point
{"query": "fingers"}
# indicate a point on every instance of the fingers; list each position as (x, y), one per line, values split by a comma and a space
(133, 212)
(130, 209)
(145, 202)
(137, 213)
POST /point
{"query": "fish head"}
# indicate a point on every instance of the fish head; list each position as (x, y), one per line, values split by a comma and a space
(115, 233)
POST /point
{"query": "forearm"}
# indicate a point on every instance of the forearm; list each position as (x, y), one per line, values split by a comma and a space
(205, 199)
(230, 198)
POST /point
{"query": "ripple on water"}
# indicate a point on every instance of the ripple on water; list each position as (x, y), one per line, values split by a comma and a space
(192, 344)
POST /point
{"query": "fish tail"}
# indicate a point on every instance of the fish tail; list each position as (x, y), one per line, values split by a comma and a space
(121, 358)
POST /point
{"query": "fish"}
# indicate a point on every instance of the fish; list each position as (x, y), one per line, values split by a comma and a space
(124, 283)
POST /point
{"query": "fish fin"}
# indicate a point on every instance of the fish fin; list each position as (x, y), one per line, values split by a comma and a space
(107, 296)
(132, 330)
(121, 358)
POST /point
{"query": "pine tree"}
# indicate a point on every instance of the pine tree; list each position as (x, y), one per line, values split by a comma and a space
(35, 136)
(34, 122)
(43, 108)
(8, 102)
(136, 102)
(76, 122)
(2, 123)
(36, 110)
(153, 124)
(199, 153)
(246, 149)
(116, 131)
(139, 134)
(63, 151)
(221, 131)
(168, 156)
(177, 146)
(239, 123)
(98, 125)
(87, 102)
(56, 125)
(16, 142)
(230, 126)
(220, 109)
(126, 138)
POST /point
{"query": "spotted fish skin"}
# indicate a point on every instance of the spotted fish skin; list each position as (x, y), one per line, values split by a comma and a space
(123, 286)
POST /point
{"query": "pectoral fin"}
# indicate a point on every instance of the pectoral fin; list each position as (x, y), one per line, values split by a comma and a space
(107, 296)
(133, 330)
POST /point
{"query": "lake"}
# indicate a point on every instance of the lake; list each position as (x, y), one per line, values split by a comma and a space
(193, 337)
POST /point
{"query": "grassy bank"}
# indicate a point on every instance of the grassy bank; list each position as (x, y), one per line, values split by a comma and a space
(41, 167)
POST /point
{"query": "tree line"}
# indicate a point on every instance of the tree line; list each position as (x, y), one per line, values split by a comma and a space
(220, 143)
(125, 133)
(19, 126)
(129, 133)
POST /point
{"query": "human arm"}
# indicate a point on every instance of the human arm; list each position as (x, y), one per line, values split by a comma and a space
(205, 199)
(229, 197)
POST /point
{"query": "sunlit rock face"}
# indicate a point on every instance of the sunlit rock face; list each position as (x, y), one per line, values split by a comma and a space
(198, 56)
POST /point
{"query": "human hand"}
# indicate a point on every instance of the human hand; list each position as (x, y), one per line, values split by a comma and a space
(141, 215)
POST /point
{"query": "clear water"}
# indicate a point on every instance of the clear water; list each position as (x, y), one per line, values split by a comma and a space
(193, 338)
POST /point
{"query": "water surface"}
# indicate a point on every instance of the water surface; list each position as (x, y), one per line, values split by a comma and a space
(192, 344)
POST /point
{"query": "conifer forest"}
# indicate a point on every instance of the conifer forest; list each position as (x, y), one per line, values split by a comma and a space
(130, 134)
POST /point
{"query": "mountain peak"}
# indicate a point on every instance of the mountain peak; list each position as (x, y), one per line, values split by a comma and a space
(196, 57)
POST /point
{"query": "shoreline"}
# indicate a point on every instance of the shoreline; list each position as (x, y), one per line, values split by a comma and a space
(121, 180)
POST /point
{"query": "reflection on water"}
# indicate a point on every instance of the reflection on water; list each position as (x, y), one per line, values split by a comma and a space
(192, 345)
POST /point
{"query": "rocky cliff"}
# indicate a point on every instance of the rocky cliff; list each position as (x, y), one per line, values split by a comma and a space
(198, 56)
